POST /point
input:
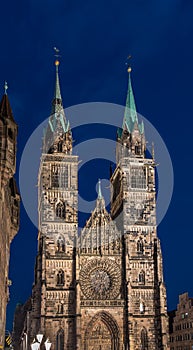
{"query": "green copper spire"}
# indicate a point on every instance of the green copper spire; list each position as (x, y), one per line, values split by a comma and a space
(130, 115)
(57, 93)
(100, 196)
(57, 114)
(57, 100)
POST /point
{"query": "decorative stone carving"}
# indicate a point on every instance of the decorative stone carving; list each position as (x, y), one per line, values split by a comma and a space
(100, 279)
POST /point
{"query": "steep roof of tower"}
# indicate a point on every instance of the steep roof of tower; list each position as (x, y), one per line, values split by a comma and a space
(57, 135)
(130, 115)
(58, 118)
(99, 211)
(5, 108)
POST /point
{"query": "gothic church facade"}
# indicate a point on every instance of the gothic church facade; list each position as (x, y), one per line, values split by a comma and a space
(104, 289)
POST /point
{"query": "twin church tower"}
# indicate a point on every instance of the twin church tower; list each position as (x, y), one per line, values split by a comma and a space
(104, 289)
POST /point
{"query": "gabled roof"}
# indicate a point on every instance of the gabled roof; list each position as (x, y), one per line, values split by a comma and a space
(100, 232)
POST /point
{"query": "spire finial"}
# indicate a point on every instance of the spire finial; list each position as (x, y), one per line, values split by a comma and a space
(100, 196)
(128, 65)
(57, 94)
(57, 62)
(5, 87)
(153, 151)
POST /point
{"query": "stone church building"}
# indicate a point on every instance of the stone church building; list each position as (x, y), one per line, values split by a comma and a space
(9, 202)
(103, 289)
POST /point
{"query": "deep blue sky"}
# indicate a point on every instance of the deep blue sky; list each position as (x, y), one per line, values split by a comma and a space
(95, 37)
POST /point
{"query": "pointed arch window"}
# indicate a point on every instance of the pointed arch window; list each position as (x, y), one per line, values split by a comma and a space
(137, 148)
(55, 176)
(60, 143)
(144, 339)
(141, 278)
(10, 134)
(59, 176)
(139, 212)
(60, 308)
(61, 210)
(60, 278)
(140, 246)
(138, 177)
(60, 340)
(142, 307)
(61, 247)
(63, 177)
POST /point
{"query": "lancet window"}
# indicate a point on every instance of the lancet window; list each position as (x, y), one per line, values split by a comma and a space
(142, 277)
(60, 278)
(60, 340)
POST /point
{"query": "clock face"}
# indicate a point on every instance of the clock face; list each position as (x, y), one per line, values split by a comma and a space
(100, 279)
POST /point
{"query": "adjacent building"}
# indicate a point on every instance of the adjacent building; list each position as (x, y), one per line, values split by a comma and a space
(9, 202)
(181, 324)
(104, 289)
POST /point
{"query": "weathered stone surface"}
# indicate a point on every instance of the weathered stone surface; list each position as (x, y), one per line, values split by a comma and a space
(103, 290)
(9, 203)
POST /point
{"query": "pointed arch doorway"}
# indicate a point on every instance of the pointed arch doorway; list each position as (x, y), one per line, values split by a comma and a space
(102, 333)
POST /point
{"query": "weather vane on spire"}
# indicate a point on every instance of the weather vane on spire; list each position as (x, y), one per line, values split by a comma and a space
(57, 62)
(5, 87)
(127, 63)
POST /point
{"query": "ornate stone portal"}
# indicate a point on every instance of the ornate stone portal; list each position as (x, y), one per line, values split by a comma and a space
(102, 333)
